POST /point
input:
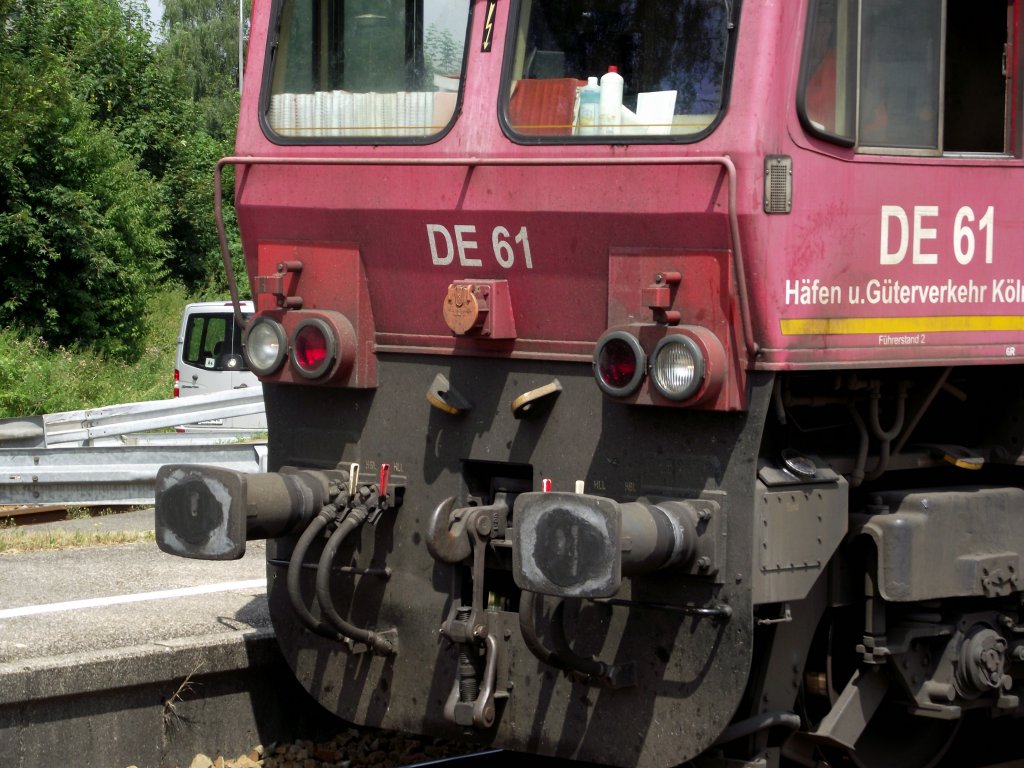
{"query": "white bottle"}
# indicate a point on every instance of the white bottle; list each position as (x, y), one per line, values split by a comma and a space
(590, 108)
(611, 101)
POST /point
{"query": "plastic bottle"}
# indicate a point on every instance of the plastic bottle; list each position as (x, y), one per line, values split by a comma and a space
(611, 101)
(590, 108)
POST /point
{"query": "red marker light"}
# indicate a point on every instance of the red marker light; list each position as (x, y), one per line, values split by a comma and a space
(310, 347)
(314, 348)
(619, 363)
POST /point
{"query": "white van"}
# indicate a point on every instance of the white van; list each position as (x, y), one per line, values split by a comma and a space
(209, 359)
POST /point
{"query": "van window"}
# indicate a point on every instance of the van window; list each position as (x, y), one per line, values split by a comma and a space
(213, 342)
(933, 75)
(354, 69)
(670, 54)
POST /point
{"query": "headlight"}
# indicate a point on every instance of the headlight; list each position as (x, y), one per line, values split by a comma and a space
(314, 348)
(677, 367)
(264, 346)
(619, 363)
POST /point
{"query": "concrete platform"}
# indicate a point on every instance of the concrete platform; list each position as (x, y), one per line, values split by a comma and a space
(101, 598)
(122, 655)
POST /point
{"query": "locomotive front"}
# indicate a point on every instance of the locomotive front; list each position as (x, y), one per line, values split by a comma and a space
(533, 470)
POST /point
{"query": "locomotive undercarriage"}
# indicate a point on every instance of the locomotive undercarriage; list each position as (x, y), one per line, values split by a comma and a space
(913, 634)
(806, 614)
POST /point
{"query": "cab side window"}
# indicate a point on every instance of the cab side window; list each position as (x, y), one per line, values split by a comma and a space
(923, 77)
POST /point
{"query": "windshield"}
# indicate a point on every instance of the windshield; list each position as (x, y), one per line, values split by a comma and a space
(354, 69)
(214, 342)
(659, 68)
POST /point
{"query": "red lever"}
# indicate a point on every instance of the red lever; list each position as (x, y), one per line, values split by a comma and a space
(385, 476)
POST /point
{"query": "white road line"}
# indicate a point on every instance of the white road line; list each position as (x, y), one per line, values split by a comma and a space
(99, 602)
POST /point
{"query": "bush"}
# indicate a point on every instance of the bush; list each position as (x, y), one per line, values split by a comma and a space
(82, 228)
(106, 172)
(36, 378)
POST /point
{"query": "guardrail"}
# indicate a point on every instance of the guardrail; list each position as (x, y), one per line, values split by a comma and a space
(109, 455)
(88, 426)
(102, 475)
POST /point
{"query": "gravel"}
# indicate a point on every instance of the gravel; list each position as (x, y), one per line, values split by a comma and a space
(349, 749)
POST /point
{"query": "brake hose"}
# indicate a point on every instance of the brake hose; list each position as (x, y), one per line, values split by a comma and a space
(380, 644)
(315, 527)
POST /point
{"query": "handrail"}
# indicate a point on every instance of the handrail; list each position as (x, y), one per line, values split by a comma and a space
(725, 161)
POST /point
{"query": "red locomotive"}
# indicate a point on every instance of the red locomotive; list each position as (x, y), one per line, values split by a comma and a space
(642, 377)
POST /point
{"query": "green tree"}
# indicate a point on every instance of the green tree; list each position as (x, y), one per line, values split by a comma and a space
(444, 54)
(201, 46)
(82, 228)
(169, 136)
(198, 60)
(106, 165)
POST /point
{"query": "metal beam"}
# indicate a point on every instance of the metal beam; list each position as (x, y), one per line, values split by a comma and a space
(96, 476)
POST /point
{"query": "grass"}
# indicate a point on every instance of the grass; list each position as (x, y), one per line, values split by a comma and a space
(36, 379)
(17, 540)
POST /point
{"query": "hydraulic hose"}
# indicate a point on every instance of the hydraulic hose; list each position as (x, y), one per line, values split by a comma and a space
(380, 644)
(857, 476)
(315, 527)
(885, 436)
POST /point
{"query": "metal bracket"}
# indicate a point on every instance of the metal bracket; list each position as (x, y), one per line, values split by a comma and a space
(275, 284)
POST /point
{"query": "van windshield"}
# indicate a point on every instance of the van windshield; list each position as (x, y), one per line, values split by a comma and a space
(213, 342)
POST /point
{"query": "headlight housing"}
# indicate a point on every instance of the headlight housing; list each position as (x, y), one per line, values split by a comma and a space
(677, 367)
(265, 346)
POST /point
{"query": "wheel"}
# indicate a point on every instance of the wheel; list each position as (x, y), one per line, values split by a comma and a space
(893, 738)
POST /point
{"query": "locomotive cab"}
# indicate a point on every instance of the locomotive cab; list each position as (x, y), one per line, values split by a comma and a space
(642, 385)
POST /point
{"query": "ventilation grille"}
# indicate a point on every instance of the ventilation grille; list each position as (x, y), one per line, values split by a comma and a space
(778, 184)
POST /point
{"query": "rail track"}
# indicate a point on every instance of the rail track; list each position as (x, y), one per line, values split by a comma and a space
(23, 515)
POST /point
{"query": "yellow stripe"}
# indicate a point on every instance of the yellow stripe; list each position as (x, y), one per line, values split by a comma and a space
(845, 326)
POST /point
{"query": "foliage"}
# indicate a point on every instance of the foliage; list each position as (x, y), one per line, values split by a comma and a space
(202, 50)
(168, 137)
(106, 166)
(81, 226)
(36, 378)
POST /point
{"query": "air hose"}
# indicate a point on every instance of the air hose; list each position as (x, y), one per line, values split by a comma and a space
(315, 527)
(380, 644)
